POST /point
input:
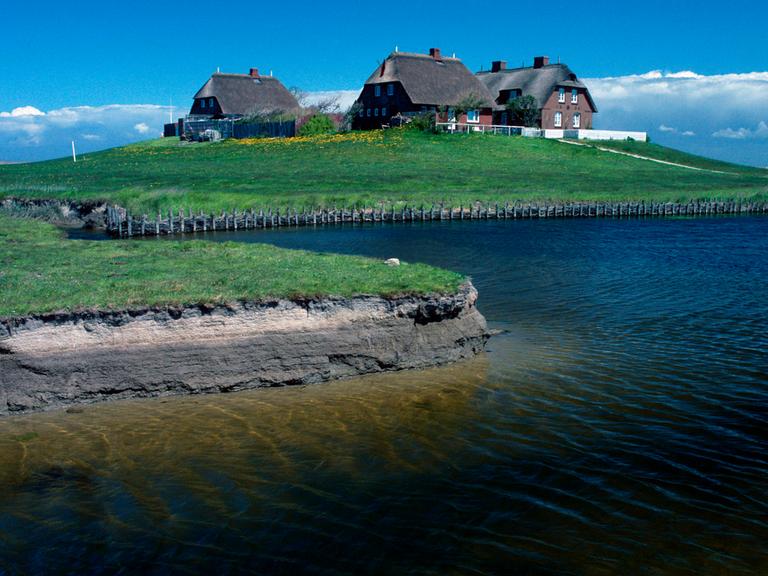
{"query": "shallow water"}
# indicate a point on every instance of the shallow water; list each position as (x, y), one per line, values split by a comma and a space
(618, 427)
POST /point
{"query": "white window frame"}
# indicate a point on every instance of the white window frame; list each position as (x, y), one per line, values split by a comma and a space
(210, 103)
(476, 114)
(390, 89)
(451, 114)
(377, 90)
(577, 120)
(384, 111)
(558, 119)
(574, 96)
(376, 112)
(561, 95)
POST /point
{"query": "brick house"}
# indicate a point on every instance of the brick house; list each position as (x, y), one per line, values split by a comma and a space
(238, 95)
(564, 102)
(407, 84)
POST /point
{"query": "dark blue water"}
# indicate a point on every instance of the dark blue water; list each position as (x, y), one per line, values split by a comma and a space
(619, 426)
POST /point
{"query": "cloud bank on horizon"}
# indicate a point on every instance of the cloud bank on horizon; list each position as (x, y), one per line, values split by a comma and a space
(723, 116)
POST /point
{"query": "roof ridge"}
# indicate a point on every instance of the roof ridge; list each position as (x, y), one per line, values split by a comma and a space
(419, 55)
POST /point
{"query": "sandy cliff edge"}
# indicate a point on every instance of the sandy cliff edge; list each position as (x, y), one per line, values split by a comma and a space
(57, 360)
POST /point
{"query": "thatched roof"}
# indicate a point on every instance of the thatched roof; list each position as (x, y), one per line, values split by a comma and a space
(536, 82)
(430, 81)
(243, 94)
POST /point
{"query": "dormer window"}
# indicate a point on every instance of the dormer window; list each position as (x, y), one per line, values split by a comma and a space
(202, 103)
(574, 96)
(561, 96)
(390, 89)
(210, 102)
(377, 90)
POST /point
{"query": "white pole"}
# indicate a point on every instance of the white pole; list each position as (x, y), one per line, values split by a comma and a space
(74, 154)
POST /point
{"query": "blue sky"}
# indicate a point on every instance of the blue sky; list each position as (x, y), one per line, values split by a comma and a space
(72, 58)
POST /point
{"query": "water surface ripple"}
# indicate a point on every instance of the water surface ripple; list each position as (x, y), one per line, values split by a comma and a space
(617, 427)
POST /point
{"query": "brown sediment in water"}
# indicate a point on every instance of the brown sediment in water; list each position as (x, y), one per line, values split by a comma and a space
(58, 360)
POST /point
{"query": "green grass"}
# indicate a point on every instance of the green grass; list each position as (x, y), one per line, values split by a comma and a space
(41, 271)
(365, 168)
(671, 155)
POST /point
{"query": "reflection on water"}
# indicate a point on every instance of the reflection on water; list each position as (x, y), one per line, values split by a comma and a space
(617, 427)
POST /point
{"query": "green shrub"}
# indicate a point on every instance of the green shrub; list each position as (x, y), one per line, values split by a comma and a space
(317, 124)
(423, 122)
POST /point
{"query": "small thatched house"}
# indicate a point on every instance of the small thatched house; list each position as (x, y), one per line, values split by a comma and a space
(563, 101)
(407, 84)
(240, 95)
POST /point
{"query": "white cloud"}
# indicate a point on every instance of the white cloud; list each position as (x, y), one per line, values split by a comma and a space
(28, 133)
(698, 113)
(743, 133)
(22, 112)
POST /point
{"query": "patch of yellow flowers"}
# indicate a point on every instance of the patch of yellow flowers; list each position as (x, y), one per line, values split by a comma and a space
(373, 137)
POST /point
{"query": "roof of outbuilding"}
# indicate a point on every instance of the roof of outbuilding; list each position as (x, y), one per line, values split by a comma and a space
(245, 94)
(429, 81)
(537, 82)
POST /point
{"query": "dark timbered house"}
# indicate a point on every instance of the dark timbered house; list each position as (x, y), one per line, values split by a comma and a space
(240, 95)
(407, 84)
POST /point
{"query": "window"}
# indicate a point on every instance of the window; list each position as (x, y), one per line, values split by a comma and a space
(577, 120)
(362, 112)
(210, 102)
(377, 90)
(202, 103)
(504, 118)
(390, 89)
(561, 96)
(369, 112)
(384, 111)
(574, 96)
(558, 119)
(451, 115)
(473, 116)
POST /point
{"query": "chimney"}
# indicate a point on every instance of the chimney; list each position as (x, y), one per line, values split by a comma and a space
(540, 61)
(435, 53)
(255, 72)
(498, 65)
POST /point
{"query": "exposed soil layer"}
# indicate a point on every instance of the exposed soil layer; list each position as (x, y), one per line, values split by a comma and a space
(57, 360)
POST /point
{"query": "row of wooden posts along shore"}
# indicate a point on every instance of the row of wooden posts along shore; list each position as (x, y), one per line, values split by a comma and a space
(122, 224)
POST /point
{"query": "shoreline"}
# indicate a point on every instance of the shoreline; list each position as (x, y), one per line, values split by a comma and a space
(118, 222)
(59, 360)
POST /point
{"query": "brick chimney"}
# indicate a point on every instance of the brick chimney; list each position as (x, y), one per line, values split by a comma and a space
(435, 53)
(498, 65)
(540, 61)
(255, 72)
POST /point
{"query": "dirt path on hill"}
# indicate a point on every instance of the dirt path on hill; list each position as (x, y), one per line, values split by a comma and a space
(639, 157)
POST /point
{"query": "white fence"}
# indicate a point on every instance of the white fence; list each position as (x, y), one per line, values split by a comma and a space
(459, 128)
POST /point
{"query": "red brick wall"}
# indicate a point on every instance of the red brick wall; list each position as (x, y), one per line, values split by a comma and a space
(552, 105)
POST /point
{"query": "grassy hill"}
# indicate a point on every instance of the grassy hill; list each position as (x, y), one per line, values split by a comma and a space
(366, 168)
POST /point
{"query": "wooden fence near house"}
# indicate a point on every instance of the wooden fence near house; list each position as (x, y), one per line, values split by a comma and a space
(122, 224)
